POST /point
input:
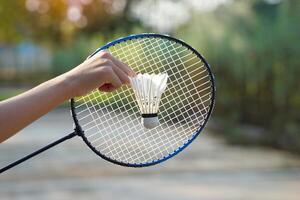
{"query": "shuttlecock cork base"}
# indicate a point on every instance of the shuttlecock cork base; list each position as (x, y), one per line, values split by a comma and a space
(148, 89)
(150, 120)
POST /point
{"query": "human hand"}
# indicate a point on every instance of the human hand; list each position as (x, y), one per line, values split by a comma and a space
(101, 71)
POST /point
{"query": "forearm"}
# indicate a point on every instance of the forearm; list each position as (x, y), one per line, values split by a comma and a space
(102, 71)
(19, 111)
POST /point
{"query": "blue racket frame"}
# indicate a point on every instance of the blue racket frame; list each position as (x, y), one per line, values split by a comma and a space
(80, 132)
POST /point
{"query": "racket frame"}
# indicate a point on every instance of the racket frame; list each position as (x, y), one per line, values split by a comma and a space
(80, 132)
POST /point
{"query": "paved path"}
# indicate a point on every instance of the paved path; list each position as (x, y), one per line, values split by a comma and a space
(208, 170)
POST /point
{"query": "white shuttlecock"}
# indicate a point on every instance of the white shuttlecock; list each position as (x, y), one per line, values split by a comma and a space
(148, 89)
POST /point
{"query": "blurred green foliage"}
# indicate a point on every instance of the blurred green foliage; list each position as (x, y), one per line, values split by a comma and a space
(10, 93)
(69, 56)
(66, 58)
(254, 50)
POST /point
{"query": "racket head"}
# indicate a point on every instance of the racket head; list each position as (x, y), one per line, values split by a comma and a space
(123, 45)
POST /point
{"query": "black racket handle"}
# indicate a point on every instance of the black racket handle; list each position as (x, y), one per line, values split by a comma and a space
(71, 135)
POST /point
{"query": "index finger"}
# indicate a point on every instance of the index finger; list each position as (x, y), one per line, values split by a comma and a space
(123, 67)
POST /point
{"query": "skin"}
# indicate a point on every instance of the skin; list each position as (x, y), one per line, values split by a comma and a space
(101, 71)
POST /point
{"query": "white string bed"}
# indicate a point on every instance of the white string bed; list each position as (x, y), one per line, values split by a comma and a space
(111, 121)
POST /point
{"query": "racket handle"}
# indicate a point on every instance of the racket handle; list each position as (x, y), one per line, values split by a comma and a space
(71, 135)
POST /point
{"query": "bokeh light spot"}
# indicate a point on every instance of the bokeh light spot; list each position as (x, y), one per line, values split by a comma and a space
(74, 13)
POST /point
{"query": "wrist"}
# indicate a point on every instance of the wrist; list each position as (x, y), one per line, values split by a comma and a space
(66, 82)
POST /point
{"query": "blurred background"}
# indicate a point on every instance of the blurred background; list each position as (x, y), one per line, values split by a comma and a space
(252, 145)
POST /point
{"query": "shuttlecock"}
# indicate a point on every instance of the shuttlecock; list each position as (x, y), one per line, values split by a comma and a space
(148, 89)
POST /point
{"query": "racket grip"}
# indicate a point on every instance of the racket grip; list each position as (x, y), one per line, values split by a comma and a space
(71, 135)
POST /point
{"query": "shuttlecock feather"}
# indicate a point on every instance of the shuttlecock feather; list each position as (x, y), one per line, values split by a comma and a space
(148, 89)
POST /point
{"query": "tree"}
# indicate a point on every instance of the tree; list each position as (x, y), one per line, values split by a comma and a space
(59, 21)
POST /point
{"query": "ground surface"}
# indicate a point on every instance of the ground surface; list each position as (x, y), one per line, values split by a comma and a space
(208, 169)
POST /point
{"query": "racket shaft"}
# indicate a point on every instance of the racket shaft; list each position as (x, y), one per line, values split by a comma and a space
(71, 135)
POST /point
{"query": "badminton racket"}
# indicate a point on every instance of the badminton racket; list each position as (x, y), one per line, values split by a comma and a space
(109, 123)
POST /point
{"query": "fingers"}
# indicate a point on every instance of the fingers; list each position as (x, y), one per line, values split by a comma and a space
(113, 83)
(107, 88)
(122, 66)
(114, 72)
(121, 74)
(113, 79)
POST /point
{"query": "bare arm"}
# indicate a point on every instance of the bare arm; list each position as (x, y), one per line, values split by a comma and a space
(101, 71)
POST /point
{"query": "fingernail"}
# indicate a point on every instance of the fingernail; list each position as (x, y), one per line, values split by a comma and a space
(132, 74)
